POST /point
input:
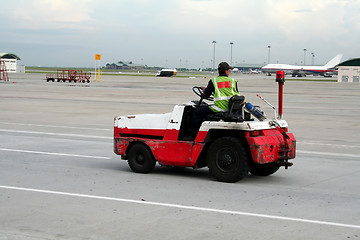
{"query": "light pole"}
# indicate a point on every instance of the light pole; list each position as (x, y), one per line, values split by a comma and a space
(214, 42)
(269, 54)
(231, 44)
(312, 59)
(305, 56)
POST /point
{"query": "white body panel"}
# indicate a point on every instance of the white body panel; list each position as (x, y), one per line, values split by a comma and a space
(143, 121)
(173, 121)
(244, 126)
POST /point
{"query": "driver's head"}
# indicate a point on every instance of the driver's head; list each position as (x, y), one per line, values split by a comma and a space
(224, 68)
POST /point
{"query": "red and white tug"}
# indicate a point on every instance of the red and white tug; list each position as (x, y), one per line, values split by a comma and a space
(230, 144)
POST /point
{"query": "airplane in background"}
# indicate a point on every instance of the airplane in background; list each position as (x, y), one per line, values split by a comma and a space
(299, 71)
(256, 71)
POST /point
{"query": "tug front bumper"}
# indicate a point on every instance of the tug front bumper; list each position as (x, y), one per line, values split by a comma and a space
(271, 145)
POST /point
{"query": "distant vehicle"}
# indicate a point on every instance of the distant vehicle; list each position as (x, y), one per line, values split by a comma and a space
(300, 71)
(69, 76)
(166, 73)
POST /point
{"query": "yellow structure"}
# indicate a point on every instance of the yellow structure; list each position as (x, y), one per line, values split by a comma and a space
(98, 71)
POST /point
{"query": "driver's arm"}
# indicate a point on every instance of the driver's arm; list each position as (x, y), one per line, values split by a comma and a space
(209, 90)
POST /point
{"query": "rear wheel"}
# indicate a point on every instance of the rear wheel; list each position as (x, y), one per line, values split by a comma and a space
(141, 159)
(264, 169)
(227, 160)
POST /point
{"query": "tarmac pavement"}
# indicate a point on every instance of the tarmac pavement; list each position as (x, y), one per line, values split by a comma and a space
(59, 177)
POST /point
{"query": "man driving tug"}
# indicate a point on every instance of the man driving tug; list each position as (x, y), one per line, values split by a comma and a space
(223, 88)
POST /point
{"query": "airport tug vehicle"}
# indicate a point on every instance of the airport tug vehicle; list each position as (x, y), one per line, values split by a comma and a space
(231, 144)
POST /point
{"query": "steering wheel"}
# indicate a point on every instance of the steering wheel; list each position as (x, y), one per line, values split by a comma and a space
(200, 92)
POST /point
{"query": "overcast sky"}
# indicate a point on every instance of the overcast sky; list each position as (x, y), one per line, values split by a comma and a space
(178, 33)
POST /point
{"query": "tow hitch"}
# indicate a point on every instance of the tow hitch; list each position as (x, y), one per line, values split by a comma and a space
(285, 163)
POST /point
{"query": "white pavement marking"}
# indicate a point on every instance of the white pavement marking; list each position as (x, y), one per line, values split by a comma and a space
(103, 137)
(329, 154)
(51, 153)
(55, 126)
(103, 129)
(327, 144)
(54, 134)
(203, 209)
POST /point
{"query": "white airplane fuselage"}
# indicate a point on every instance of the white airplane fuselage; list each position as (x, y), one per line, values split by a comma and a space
(327, 69)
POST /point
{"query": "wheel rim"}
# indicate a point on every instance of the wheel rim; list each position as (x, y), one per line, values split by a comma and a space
(225, 159)
(140, 158)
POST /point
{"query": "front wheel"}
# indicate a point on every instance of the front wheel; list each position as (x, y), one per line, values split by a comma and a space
(227, 160)
(141, 159)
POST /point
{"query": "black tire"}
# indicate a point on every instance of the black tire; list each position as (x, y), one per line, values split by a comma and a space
(263, 169)
(227, 160)
(141, 159)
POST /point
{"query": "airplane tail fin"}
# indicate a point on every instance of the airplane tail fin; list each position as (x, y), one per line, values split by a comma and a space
(333, 62)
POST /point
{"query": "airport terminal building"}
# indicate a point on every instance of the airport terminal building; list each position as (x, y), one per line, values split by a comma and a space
(248, 67)
(349, 71)
(10, 61)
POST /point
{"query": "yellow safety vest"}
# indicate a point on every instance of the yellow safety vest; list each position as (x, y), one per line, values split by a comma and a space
(225, 88)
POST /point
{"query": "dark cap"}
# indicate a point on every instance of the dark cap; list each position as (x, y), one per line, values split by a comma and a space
(223, 66)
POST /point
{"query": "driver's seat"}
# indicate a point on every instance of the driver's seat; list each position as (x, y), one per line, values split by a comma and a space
(235, 103)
